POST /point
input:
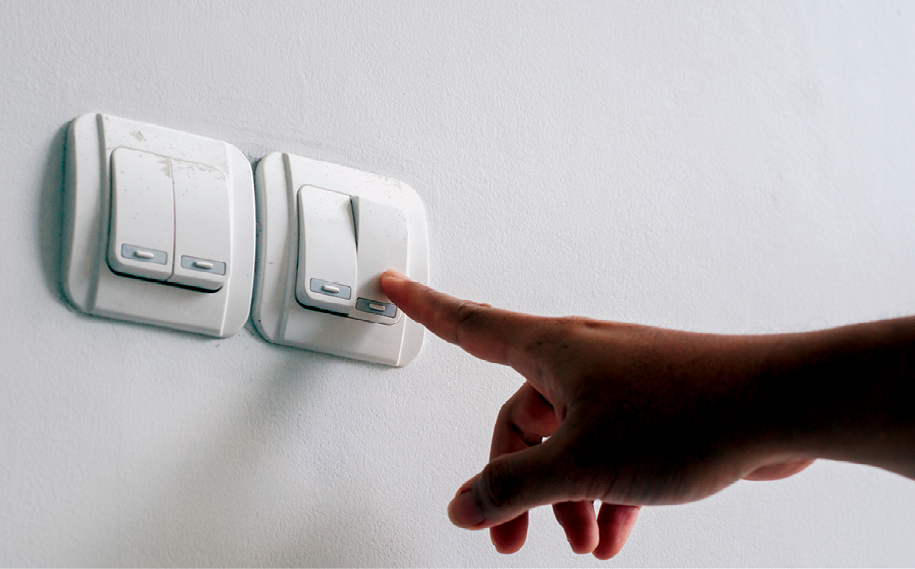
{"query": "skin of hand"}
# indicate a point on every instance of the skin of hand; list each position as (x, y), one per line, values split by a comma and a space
(628, 415)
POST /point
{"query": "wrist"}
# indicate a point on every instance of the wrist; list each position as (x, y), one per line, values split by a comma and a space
(843, 394)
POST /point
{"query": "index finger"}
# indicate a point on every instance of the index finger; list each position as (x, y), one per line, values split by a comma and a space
(492, 334)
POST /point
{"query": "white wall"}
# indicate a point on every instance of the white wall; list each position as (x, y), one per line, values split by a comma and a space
(732, 166)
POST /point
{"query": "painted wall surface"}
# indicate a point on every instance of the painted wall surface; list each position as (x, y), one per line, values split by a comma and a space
(727, 166)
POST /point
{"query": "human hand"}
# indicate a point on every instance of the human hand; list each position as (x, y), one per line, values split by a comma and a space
(628, 415)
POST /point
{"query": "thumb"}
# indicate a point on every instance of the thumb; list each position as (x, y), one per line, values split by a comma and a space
(509, 486)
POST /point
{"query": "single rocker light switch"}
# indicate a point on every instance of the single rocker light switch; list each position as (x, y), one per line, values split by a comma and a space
(381, 237)
(203, 230)
(142, 234)
(326, 274)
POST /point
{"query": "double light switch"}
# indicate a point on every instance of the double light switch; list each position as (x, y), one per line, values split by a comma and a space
(345, 243)
(328, 233)
(159, 226)
(169, 220)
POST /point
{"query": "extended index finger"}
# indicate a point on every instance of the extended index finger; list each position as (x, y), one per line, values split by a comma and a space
(492, 334)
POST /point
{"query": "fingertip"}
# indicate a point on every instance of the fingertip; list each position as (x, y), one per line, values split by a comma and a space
(464, 512)
(579, 524)
(605, 554)
(583, 544)
(581, 548)
(393, 276)
(506, 549)
(614, 524)
(392, 282)
(397, 286)
(509, 537)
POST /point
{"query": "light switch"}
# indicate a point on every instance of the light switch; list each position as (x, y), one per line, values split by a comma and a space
(381, 237)
(142, 231)
(326, 274)
(172, 208)
(326, 234)
(203, 231)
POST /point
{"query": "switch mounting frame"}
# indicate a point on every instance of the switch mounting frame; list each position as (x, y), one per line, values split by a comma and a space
(92, 287)
(278, 317)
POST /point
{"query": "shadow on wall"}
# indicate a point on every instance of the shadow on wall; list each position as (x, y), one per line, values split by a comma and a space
(50, 216)
(243, 490)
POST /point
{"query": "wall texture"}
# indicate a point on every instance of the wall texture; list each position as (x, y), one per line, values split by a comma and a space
(736, 167)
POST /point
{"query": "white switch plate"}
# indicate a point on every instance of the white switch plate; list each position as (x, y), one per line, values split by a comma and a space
(276, 313)
(89, 282)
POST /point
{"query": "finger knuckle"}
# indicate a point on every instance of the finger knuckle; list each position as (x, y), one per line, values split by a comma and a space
(576, 324)
(507, 410)
(469, 316)
(556, 338)
(496, 489)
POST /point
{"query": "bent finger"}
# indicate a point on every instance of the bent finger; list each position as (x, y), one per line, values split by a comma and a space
(614, 523)
(579, 523)
(510, 536)
(514, 483)
(524, 421)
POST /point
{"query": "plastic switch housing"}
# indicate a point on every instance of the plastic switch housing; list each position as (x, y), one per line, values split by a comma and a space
(327, 233)
(159, 226)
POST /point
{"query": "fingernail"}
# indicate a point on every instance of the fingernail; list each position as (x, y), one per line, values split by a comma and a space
(463, 511)
(396, 275)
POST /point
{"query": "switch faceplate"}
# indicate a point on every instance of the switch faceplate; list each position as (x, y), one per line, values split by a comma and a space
(327, 232)
(159, 226)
